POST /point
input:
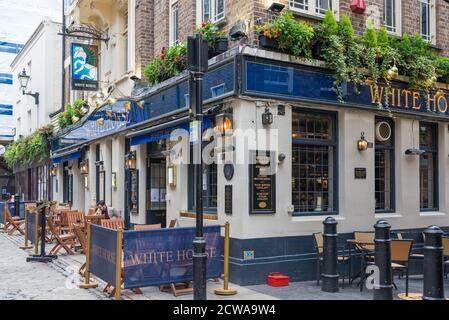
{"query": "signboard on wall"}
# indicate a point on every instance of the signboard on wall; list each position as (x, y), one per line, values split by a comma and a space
(262, 180)
(84, 67)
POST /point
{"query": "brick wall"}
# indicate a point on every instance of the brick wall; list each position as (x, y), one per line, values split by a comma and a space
(144, 34)
(153, 23)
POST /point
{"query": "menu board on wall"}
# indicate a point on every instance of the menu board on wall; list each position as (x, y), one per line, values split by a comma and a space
(134, 208)
(262, 182)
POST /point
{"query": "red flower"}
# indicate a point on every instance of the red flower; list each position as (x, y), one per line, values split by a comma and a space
(203, 24)
(163, 53)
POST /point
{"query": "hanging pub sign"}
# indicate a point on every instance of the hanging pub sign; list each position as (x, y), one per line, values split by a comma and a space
(262, 180)
(84, 67)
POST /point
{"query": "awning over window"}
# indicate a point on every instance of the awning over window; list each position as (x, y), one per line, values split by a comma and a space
(163, 131)
(66, 156)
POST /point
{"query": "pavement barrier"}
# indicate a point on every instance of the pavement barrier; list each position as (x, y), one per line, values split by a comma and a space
(330, 274)
(433, 288)
(382, 259)
(154, 257)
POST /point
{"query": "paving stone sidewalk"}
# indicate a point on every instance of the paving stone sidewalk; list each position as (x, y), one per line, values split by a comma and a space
(22, 280)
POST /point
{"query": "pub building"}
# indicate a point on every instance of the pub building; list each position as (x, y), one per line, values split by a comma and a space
(358, 161)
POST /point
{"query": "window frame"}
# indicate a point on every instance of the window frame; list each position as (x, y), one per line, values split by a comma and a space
(174, 29)
(435, 152)
(311, 11)
(431, 37)
(397, 16)
(392, 150)
(213, 5)
(191, 185)
(333, 143)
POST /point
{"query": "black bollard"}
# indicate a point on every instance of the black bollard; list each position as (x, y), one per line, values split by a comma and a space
(329, 275)
(433, 264)
(384, 289)
(16, 205)
(43, 221)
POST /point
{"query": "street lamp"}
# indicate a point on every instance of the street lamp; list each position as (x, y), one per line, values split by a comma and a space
(23, 80)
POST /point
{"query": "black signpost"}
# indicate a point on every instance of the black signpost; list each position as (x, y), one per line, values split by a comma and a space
(197, 53)
(42, 212)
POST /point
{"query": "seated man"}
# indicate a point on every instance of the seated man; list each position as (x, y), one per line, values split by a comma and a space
(102, 209)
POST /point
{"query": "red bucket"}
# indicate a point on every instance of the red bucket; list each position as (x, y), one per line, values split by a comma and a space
(276, 279)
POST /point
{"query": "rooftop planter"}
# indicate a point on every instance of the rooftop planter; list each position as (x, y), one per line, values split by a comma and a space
(73, 113)
(30, 149)
(170, 63)
(357, 59)
(216, 38)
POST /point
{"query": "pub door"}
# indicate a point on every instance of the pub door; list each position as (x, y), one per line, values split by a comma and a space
(156, 191)
(131, 195)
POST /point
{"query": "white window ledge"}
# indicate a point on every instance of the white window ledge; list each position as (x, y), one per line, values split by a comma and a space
(388, 215)
(431, 214)
(316, 218)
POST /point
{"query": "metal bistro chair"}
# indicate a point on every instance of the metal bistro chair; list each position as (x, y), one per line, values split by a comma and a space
(400, 258)
(319, 243)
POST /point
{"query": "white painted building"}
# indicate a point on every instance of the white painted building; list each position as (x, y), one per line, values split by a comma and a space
(19, 20)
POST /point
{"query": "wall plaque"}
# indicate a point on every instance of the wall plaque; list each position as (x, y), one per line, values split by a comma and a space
(360, 173)
(262, 180)
(228, 199)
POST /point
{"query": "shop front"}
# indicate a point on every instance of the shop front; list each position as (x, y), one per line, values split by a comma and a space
(282, 154)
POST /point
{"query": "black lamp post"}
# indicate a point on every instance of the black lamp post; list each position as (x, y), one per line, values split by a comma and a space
(23, 80)
(198, 64)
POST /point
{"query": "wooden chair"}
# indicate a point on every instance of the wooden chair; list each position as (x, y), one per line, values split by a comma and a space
(319, 243)
(147, 226)
(65, 241)
(400, 257)
(14, 222)
(173, 223)
(446, 254)
(80, 234)
(116, 224)
(365, 240)
(94, 218)
(73, 217)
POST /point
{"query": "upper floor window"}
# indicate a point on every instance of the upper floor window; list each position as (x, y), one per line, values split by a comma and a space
(174, 23)
(392, 16)
(427, 20)
(210, 10)
(314, 7)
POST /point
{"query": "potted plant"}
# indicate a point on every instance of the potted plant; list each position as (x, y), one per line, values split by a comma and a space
(216, 38)
(171, 62)
(268, 36)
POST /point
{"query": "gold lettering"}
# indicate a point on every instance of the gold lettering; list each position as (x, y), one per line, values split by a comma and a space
(393, 97)
(429, 100)
(376, 96)
(399, 98)
(407, 94)
(416, 96)
(442, 98)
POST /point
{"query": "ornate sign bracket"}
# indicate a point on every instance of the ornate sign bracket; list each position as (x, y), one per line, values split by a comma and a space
(85, 32)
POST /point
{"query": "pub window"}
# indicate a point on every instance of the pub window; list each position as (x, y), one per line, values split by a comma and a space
(392, 16)
(314, 163)
(314, 7)
(209, 184)
(428, 174)
(427, 20)
(384, 165)
(174, 25)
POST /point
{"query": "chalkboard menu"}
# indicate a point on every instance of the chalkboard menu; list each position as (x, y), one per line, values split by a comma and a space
(262, 182)
(134, 208)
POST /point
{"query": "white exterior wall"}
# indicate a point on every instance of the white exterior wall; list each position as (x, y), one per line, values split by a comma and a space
(37, 58)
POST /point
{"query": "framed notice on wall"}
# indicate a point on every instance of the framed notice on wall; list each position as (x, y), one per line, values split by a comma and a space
(84, 67)
(262, 182)
(134, 189)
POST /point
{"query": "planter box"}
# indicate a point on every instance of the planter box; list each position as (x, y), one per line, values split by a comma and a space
(268, 42)
(219, 46)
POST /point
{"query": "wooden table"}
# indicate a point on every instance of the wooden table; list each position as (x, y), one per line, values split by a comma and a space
(362, 246)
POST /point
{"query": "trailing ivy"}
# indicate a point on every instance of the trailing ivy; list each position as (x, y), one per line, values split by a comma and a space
(30, 149)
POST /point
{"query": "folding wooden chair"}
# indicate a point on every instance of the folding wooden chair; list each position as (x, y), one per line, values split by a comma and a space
(73, 217)
(62, 240)
(80, 234)
(116, 224)
(14, 222)
(147, 226)
(173, 223)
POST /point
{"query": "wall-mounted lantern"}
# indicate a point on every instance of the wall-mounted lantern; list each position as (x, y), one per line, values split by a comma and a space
(267, 117)
(172, 176)
(84, 167)
(225, 123)
(54, 170)
(130, 160)
(362, 144)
